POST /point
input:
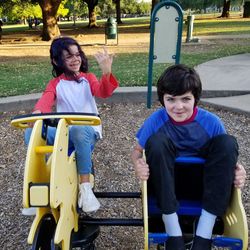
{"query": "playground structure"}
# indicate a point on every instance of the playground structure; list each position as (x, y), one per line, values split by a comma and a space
(51, 183)
(230, 231)
(165, 38)
(50, 179)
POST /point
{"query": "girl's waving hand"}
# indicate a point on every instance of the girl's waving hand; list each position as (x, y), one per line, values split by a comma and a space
(104, 60)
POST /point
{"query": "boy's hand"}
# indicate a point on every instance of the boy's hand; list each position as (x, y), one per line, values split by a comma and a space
(240, 176)
(104, 60)
(141, 169)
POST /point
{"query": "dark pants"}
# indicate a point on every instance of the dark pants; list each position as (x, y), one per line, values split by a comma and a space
(220, 153)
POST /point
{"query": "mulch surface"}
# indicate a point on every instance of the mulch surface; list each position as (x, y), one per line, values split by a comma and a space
(113, 171)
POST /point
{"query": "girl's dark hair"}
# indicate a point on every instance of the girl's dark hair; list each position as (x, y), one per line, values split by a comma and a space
(177, 80)
(56, 57)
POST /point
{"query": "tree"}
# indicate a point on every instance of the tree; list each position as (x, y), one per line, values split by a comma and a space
(246, 12)
(76, 8)
(154, 2)
(129, 6)
(49, 14)
(20, 11)
(226, 8)
(118, 11)
(106, 8)
(92, 15)
(143, 8)
(49, 11)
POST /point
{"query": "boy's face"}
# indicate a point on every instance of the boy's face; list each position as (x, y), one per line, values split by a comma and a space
(73, 59)
(180, 108)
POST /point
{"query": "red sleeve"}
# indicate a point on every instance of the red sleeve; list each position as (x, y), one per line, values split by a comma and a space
(47, 100)
(103, 88)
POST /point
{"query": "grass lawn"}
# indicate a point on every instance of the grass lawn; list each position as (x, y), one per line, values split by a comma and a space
(31, 74)
(203, 25)
(222, 26)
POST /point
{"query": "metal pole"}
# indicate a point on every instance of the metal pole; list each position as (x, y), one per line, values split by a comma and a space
(190, 25)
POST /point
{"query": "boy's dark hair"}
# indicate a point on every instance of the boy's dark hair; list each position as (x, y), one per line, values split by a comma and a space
(56, 56)
(177, 80)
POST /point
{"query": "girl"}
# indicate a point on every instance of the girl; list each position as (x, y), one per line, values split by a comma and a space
(73, 90)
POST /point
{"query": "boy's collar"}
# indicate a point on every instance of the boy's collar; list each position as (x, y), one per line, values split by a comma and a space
(186, 121)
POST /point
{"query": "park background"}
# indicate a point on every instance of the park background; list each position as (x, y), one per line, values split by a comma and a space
(24, 49)
(25, 68)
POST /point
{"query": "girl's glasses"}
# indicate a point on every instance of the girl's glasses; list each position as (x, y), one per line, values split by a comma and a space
(70, 57)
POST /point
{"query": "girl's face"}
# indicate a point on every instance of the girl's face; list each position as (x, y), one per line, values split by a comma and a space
(180, 108)
(73, 59)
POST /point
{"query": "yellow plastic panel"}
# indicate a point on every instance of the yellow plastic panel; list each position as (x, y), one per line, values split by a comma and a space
(145, 209)
(72, 119)
(41, 211)
(64, 186)
(39, 195)
(36, 169)
(235, 221)
(44, 149)
(145, 213)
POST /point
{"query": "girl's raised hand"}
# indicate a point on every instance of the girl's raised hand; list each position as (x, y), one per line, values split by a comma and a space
(104, 60)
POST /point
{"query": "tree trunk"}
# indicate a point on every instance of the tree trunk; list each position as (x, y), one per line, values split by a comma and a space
(246, 12)
(50, 26)
(154, 2)
(226, 8)
(118, 12)
(92, 16)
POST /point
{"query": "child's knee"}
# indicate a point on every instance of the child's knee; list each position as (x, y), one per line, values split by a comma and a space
(81, 133)
(227, 142)
(158, 142)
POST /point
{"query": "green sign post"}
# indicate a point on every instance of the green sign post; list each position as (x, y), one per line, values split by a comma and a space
(165, 38)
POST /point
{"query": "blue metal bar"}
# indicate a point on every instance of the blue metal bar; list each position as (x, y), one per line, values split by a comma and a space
(192, 160)
(233, 243)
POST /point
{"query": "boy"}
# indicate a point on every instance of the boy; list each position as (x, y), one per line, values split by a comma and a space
(181, 128)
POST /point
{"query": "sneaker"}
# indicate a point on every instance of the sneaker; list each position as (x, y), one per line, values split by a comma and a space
(86, 199)
(175, 243)
(200, 243)
(29, 211)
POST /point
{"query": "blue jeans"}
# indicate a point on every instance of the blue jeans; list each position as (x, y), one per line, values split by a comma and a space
(81, 138)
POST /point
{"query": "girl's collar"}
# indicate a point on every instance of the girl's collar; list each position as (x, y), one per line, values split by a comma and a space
(64, 76)
(186, 121)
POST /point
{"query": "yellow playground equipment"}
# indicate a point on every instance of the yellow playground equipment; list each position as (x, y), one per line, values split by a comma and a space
(51, 185)
(51, 182)
(231, 231)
